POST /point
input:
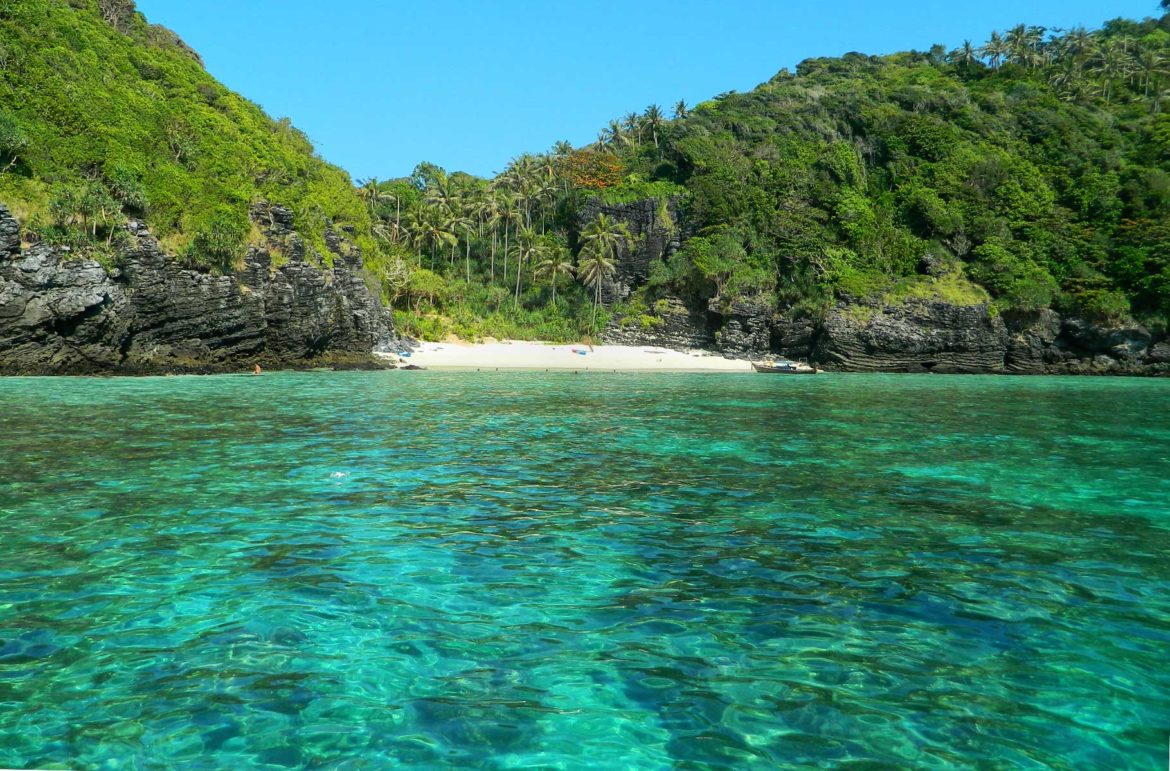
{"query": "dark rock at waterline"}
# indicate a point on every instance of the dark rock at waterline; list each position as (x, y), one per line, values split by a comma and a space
(1031, 335)
(794, 338)
(915, 336)
(1159, 354)
(61, 315)
(745, 325)
(1124, 342)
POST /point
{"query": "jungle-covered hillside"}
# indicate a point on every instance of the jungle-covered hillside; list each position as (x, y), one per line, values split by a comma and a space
(104, 116)
(1028, 168)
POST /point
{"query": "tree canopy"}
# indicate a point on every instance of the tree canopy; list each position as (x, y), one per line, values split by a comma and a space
(104, 116)
(1031, 169)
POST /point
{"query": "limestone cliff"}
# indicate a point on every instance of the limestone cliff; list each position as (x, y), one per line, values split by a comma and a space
(656, 236)
(65, 315)
(915, 335)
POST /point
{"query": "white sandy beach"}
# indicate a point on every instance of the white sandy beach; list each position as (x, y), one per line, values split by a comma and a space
(524, 355)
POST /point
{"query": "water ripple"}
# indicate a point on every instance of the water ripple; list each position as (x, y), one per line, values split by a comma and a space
(493, 571)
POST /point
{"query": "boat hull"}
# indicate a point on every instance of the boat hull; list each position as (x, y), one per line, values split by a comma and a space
(784, 370)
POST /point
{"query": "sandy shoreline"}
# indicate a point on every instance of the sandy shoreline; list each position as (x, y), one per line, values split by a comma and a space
(524, 355)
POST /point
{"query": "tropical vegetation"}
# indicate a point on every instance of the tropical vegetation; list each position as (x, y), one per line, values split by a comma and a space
(1031, 170)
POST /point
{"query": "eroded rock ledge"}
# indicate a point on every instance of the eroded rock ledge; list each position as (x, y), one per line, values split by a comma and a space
(63, 315)
(914, 336)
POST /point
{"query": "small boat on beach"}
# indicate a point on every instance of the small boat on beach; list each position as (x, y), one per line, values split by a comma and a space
(784, 368)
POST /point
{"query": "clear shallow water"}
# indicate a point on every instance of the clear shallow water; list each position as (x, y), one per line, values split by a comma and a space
(554, 571)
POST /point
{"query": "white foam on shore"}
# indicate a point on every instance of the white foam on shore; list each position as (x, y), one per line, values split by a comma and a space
(525, 355)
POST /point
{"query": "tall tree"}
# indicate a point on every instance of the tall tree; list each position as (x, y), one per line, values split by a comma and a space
(632, 125)
(603, 238)
(529, 246)
(965, 55)
(653, 120)
(995, 50)
(373, 195)
(556, 263)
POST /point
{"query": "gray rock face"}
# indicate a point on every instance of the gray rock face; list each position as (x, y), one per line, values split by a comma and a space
(656, 237)
(918, 336)
(57, 315)
(1030, 339)
(1128, 342)
(746, 328)
(794, 338)
(673, 325)
(9, 232)
(1042, 342)
(69, 316)
(1159, 354)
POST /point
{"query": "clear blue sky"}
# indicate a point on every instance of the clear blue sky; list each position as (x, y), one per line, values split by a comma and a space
(380, 85)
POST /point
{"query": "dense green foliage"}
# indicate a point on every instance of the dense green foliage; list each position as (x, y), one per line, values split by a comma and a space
(1035, 165)
(1031, 170)
(104, 116)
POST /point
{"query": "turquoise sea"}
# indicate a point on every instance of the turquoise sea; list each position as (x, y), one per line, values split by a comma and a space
(362, 570)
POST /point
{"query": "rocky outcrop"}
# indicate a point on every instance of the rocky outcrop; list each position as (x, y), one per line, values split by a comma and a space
(59, 315)
(933, 336)
(916, 336)
(1030, 341)
(671, 325)
(745, 325)
(64, 315)
(794, 338)
(652, 223)
(1041, 342)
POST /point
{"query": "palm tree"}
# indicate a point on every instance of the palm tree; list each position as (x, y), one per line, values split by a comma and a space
(509, 215)
(612, 136)
(632, 124)
(372, 195)
(1111, 63)
(433, 232)
(1018, 44)
(1068, 80)
(995, 50)
(1159, 97)
(1078, 44)
(491, 213)
(1036, 55)
(603, 238)
(383, 232)
(529, 245)
(465, 223)
(396, 233)
(522, 178)
(1149, 65)
(556, 263)
(965, 55)
(680, 109)
(653, 120)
